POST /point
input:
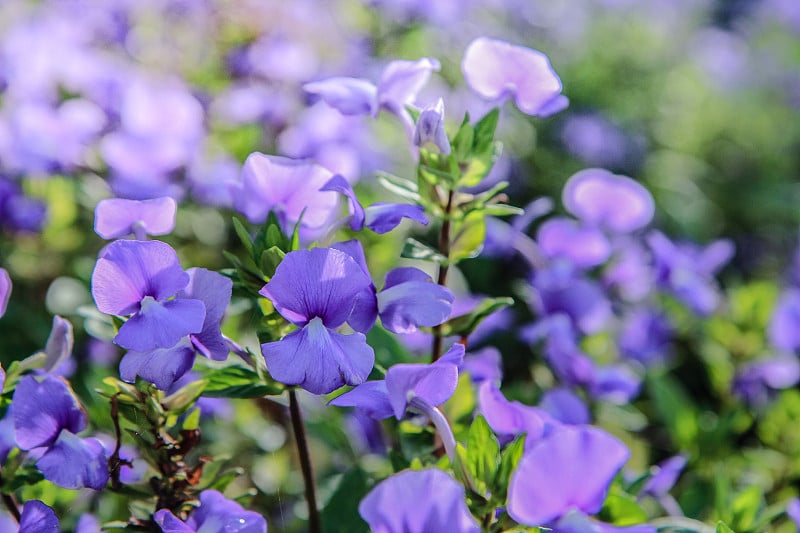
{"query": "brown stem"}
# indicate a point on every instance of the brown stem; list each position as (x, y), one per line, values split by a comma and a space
(11, 506)
(115, 462)
(444, 249)
(314, 523)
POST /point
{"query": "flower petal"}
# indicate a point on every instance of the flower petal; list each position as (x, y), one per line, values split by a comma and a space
(579, 464)
(384, 217)
(116, 217)
(321, 282)
(565, 238)
(371, 397)
(614, 202)
(496, 69)
(411, 299)
(342, 186)
(5, 290)
(73, 463)
(318, 359)
(127, 271)
(59, 343)
(38, 518)
(161, 325)
(214, 290)
(162, 367)
(42, 409)
(349, 96)
(434, 383)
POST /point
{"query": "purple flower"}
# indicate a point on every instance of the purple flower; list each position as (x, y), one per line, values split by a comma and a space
(579, 464)
(5, 290)
(509, 419)
(646, 336)
(565, 406)
(317, 290)
(37, 517)
(215, 513)
(118, 217)
(561, 349)
(784, 327)
(371, 398)
(429, 130)
(577, 522)
(138, 278)
(687, 270)
(402, 503)
(163, 366)
(379, 217)
(410, 298)
(584, 247)
(496, 70)
(600, 198)
(793, 510)
(560, 289)
(756, 382)
(290, 188)
(59, 344)
(485, 364)
(665, 476)
(47, 415)
(398, 86)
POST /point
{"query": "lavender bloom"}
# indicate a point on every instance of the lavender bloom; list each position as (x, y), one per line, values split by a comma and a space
(509, 419)
(5, 290)
(138, 277)
(687, 270)
(59, 344)
(793, 511)
(47, 415)
(317, 290)
(379, 217)
(497, 70)
(615, 383)
(665, 477)
(562, 352)
(784, 327)
(288, 187)
(645, 336)
(215, 513)
(565, 406)
(402, 504)
(579, 464)
(163, 366)
(118, 217)
(371, 398)
(560, 289)
(600, 198)
(398, 87)
(37, 517)
(630, 274)
(19, 212)
(563, 238)
(757, 382)
(410, 298)
(429, 130)
(485, 364)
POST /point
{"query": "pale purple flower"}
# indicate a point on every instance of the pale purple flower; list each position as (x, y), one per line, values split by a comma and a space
(47, 416)
(665, 476)
(577, 522)
(579, 464)
(600, 198)
(290, 188)
(565, 406)
(646, 336)
(59, 344)
(19, 212)
(402, 503)
(497, 70)
(5, 290)
(757, 381)
(429, 130)
(485, 364)
(316, 290)
(214, 514)
(410, 298)
(561, 289)
(119, 217)
(564, 238)
(784, 326)
(37, 517)
(511, 418)
(138, 278)
(380, 217)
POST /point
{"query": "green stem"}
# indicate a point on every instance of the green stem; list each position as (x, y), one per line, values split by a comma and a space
(314, 523)
(444, 249)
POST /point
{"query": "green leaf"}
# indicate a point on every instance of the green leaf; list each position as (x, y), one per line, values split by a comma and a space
(243, 234)
(237, 382)
(483, 454)
(746, 506)
(622, 509)
(464, 325)
(469, 237)
(675, 409)
(509, 460)
(400, 186)
(479, 166)
(270, 259)
(722, 527)
(413, 249)
(484, 131)
(340, 513)
(192, 420)
(184, 397)
(502, 210)
(462, 142)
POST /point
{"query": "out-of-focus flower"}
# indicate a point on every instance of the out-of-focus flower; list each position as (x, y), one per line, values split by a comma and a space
(756, 382)
(410, 298)
(59, 344)
(784, 326)
(612, 202)
(565, 406)
(5, 290)
(496, 70)
(402, 504)
(560, 289)
(37, 517)
(316, 290)
(564, 238)
(118, 217)
(645, 336)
